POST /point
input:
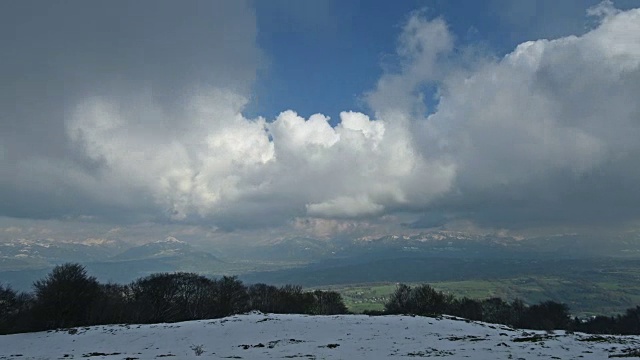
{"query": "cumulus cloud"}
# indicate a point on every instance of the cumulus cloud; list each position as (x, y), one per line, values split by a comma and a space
(548, 133)
(211, 163)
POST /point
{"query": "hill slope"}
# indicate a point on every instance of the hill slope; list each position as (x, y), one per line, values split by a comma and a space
(266, 336)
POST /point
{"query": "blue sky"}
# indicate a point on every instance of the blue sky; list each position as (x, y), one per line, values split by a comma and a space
(322, 55)
(493, 115)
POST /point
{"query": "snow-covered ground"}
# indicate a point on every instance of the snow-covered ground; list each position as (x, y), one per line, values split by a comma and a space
(267, 336)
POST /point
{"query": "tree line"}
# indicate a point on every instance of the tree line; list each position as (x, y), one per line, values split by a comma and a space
(548, 315)
(68, 297)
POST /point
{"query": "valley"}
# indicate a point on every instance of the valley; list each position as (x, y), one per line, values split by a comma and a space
(589, 279)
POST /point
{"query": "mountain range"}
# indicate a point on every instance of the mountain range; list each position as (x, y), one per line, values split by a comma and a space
(432, 255)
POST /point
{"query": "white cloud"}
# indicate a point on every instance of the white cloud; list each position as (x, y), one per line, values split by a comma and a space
(211, 161)
(547, 133)
(423, 46)
(345, 206)
(603, 10)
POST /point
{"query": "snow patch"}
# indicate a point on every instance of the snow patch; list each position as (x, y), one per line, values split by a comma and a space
(267, 336)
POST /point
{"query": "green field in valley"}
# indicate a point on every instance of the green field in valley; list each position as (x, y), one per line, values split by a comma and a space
(585, 298)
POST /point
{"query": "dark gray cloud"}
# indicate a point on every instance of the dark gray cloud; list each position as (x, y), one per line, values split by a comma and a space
(132, 111)
(57, 54)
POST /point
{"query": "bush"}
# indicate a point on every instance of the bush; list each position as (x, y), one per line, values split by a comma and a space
(328, 303)
(422, 300)
(264, 298)
(173, 297)
(15, 310)
(548, 315)
(497, 311)
(629, 323)
(399, 301)
(466, 308)
(8, 308)
(425, 300)
(113, 304)
(229, 297)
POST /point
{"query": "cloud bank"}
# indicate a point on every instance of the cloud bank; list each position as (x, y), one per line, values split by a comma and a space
(546, 134)
(213, 164)
(549, 132)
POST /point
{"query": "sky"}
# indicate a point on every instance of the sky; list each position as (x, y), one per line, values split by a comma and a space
(327, 118)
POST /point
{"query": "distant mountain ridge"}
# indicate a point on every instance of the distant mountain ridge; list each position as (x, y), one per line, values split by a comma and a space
(24, 253)
(168, 247)
(22, 262)
(287, 249)
(29, 254)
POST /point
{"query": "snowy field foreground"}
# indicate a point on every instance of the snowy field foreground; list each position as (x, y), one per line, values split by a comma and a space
(267, 336)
